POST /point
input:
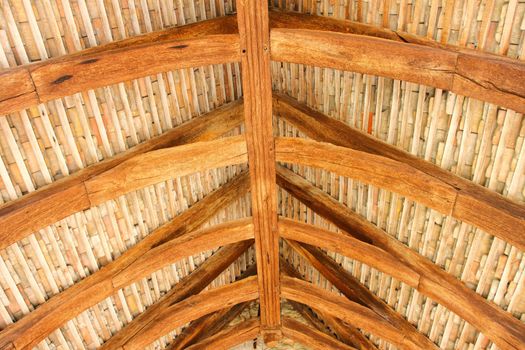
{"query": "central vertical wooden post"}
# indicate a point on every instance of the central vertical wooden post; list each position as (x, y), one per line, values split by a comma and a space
(255, 58)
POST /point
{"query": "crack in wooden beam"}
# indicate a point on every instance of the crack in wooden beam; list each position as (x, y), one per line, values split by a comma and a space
(41, 208)
(499, 326)
(252, 16)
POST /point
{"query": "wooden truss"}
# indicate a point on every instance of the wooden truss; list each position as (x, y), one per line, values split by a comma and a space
(254, 37)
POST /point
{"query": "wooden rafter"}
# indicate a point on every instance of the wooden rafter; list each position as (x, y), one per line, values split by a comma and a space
(473, 204)
(311, 337)
(35, 326)
(230, 337)
(499, 326)
(208, 42)
(488, 78)
(192, 284)
(252, 16)
(193, 307)
(345, 332)
(45, 204)
(350, 287)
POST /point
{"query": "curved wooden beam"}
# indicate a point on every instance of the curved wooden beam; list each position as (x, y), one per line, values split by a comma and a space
(43, 207)
(37, 325)
(194, 307)
(344, 244)
(369, 168)
(230, 337)
(311, 337)
(163, 164)
(192, 284)
(475, 204)
(344, 309)
(208, 42)
(350, 287)
(485, 77)
(499, 326)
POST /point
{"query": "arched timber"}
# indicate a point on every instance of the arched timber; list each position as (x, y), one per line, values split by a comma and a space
(45, 205)
(311, 337)
(208, 42)
(230, 337)
(474, 204)
(347, 245)
(34, 327)
(490, 78)
(352, 288)
(194, 307)
(344, 309)
(370, 168)
(499, 326)
(192, 284)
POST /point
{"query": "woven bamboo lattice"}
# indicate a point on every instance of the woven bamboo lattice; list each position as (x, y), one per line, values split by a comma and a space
(44, 143)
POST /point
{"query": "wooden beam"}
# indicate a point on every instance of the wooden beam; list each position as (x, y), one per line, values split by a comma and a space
(230, 337)
(208, 42)
(370, 168)
(344, 309)
(37, 325)
(206, 327)
(499, 326)
(488, 78)
(43, 207)
(345, 244)
(311, 337)
(192, 284)
(164, 164)
(350, 287)
(192, 308)
(252, 16)
(474, 204)
(346, 333)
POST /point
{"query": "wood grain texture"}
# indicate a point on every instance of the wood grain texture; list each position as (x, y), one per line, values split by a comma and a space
(192, 308)
(252, 16)
(311, 337)
(164, 164)
(230, 337)
(499, 326)
(45, 205)
(486, 77)
(474, 204)
(37, 325)
(192, 284)
(342, 308)
(17, 90)
(326, 323)
(207, 42)
(344, 244)
(350, 287)
(377, 170)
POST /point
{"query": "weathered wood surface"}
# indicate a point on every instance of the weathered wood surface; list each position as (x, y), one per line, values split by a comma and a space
(44, 207)
(192, 308)
(192, 284)
(324, 322)
(499, 326)
(344, 244)
(350, 287)
(252, 16)
(485, 77)
(164, 164)
(230, 337)
(474, 204)
(344, 309)
(208, 42)
(370, 168)
(311, 337)
(37, 325)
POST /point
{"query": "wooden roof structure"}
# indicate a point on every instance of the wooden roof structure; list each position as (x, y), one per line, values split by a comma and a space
(220, 174)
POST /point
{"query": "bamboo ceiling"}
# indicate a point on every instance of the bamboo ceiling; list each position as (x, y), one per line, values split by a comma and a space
(141, 187)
